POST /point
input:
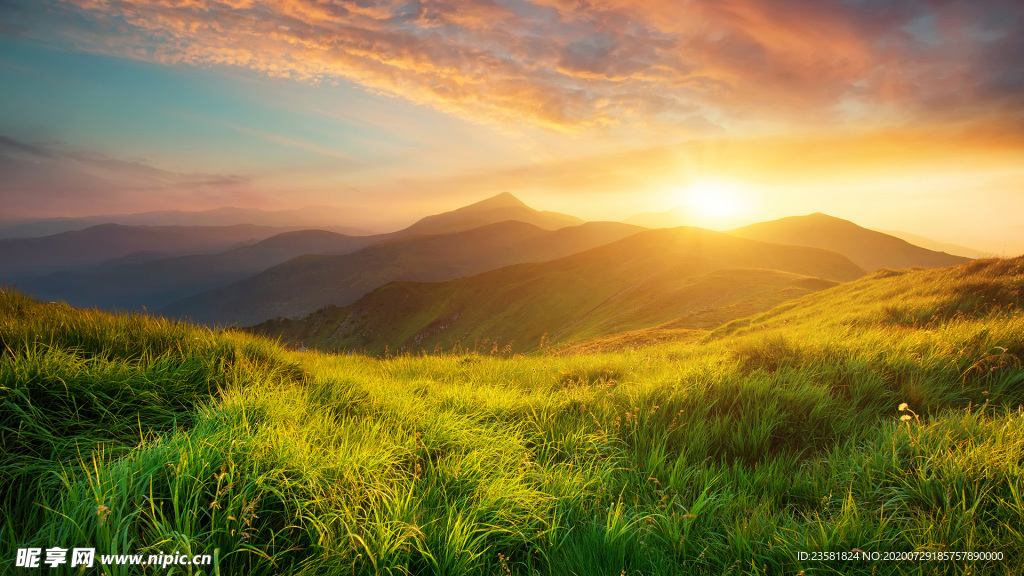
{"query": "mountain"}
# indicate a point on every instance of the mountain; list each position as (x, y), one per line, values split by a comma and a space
(954, 249)
(868, 249)
(120, 280)
(644, 280)
(496, 209)
(307, 283)
(126, 285)
(84, 248)
(323, 217)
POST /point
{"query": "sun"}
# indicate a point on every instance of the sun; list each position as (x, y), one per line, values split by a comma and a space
(717, 202)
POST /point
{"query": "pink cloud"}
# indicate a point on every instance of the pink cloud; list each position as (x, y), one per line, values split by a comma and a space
(43, 180)
(571, 64)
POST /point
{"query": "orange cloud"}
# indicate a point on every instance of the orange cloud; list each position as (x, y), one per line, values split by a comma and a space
(570, 64)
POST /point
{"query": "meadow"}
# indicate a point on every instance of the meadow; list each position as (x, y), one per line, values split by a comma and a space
(881, 415)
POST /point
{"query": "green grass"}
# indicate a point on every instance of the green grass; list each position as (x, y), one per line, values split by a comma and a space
(732, 454)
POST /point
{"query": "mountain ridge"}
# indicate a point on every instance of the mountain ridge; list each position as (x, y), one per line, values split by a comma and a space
(623, 285)
(156, 283)
(497, 208)
(306, 283)
(869, 249)
(97, 244)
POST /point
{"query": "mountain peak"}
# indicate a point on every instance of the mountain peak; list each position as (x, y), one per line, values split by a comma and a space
(821, 216)
(503, 200)
(495, 209)
(816, 219)
(868, 249)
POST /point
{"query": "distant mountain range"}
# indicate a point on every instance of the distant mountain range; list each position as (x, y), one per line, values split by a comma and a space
(646, 279)
(323, 217)
(507, 271)
(305, 284)
(954, 249)
(92, 246)
(87, 277)
(157, 282)
(869, 249)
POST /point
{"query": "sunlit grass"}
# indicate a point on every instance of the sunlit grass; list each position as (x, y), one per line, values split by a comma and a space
(774, 436)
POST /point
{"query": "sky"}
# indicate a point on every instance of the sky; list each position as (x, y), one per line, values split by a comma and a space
(900, 115)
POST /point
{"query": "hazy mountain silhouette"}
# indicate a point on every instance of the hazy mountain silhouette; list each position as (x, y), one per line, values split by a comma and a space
(133, 282)
(307, 283)
(83, 248)
(869, 249)
(930, 244)
(321, 217)
(495, 209)
(155, 283)
(646, 279)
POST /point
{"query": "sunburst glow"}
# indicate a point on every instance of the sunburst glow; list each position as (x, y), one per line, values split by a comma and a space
(717, 202)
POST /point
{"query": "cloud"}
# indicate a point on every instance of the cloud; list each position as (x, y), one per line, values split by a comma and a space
(807, 161)
(575, 64)
(52, 179)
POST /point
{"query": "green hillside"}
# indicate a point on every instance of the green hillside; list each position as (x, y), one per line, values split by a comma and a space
(884, 415)
(701, 277)
(868, 249)
(310, 282)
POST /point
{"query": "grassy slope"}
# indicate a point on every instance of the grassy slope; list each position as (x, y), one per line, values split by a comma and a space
(771, 438)
(726, 294)
(868, 249)
(644, 280)
(308, 283)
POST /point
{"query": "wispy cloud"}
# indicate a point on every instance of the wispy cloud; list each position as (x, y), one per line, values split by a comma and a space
(572, 64)
(41, 179)
(294, 142)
